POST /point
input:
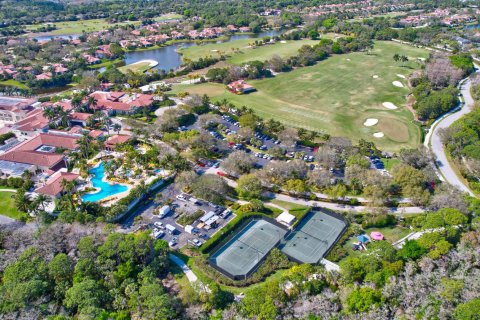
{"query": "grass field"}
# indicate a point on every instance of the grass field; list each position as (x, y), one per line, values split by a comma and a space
(7, 206)
(337, 95)
(239, 51)
(75, 27)
(137, 67)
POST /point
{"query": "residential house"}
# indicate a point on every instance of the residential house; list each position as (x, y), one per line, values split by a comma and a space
(14, 109)
(79, 118)
(34, 123)
(240, 87)
(120, 102)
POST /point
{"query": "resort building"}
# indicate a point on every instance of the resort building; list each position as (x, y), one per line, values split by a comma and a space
(120, 102)
(43, 151)
(79, 118)
(53, 187)
(34, 123)
(115, 140)
(13, 109)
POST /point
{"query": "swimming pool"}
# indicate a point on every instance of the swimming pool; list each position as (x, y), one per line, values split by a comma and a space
(106, 189)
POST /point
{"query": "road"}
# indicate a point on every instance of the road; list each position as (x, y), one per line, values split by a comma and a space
(434, 141)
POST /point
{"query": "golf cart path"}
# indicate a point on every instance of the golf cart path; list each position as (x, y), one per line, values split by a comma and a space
(434, 142)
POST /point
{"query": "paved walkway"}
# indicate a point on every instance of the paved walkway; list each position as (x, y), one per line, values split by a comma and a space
(434, 142)
(188, 272)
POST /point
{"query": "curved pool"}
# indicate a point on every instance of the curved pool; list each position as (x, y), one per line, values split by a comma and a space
(105, 189)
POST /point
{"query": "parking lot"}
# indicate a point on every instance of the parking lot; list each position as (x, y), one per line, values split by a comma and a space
(178, 206)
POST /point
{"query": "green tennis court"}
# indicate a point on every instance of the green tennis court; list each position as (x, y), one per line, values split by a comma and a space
(313, 237)
(243, 253)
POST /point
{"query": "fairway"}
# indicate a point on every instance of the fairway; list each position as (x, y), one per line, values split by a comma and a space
(338, 95)
(76, 27)
(240, 51)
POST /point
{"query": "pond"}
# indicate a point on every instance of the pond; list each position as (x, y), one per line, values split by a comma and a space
(105, 189)
(472, 26)
(59, 36)
(168, 57)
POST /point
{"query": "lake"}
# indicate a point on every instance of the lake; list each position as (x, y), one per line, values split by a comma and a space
(168, 58)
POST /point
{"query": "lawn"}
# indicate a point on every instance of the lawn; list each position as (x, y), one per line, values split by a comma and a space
(77, 27)
(337, 95)
(239, 51)
(13, 83)
(137, 67)
(390, 163)
(7, 206)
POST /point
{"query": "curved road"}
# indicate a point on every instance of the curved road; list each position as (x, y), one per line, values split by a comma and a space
(433, 140)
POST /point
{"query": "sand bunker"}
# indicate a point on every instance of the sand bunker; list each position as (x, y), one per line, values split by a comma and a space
(283, 41)
(378, 135)
(375, 76)
(389, 105)
(397, 84)
(401, 76)
(348, 59)
(370, 122)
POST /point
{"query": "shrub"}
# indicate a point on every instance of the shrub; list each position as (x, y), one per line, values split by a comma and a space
(379, 221)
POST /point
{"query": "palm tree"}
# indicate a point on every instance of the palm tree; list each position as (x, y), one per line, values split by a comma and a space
(49, 113)
(84, 145)
(76, 102)
(41, 200)
(23, 201)
(396, 57)
(91, 103)
(117, 127)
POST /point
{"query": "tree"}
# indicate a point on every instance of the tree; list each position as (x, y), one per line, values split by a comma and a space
(411, 250)
(238, 163)
(295, 186)
(288, 136)
(22, 201)
(337, 191)
(248, 120)
(249, 187)
(85, 295)
(60, 269)
(469, 310)
(363, 299)
(210, 187)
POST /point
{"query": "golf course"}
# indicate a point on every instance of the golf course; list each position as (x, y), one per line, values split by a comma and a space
(357, 95)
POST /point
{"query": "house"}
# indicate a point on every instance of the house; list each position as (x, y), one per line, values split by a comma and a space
(115, 140)
(240, 87)
(44, 76)
(34, 123)
(97, 134)
(13, 109)
(43, 151)
(53, 187)
(79, 118)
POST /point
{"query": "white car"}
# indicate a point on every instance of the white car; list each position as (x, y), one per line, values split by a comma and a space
(181, 197)
(159, 225)
(197, 243)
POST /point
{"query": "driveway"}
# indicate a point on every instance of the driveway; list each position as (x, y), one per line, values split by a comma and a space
(434, 141)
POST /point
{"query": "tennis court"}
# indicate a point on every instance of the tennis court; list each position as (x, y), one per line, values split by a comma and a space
(313, 237)
(242, 254)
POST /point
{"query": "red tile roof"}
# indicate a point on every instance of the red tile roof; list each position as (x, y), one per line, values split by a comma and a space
(34, 121)
(96, 133)
(116, 139)
(54, 184)
(81, 116)
(27, 152)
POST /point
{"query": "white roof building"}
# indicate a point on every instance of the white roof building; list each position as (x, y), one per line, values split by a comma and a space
(286, 218)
